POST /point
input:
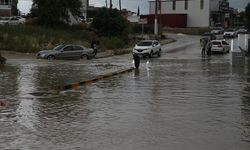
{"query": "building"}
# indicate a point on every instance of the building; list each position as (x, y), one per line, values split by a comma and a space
(200, 13)
(84, 8)
(8, 8)
(82, 17)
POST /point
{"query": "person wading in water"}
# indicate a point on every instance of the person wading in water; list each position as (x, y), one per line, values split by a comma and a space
(2, 59)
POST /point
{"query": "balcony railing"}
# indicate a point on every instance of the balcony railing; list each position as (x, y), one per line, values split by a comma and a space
(5, 6)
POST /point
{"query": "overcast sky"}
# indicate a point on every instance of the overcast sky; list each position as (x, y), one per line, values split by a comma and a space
(25, 5)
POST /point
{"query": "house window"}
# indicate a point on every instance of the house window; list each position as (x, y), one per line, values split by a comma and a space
(202, 4)
(186, 4)
(5, 2)
(174, 5)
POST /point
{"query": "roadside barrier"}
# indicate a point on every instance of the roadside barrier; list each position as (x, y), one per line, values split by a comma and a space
(88, 82)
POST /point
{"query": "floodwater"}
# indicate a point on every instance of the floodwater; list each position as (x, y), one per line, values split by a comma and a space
(173, 102)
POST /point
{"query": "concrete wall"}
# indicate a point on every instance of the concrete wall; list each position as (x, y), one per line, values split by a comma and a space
(196, 17)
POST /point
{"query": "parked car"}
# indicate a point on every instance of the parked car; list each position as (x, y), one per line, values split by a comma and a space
(220, 46)
(82, 18)
(217, 30)
(148, 48)
(242, 31)
(14, 20)
(66, 52)
(230, 33)
(4, 20)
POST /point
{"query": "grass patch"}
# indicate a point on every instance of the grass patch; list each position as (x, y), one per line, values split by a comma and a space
(34, 38)
(112, 43)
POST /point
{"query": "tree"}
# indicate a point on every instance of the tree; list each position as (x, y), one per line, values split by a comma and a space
(247, 14)
(241, 17)
(53, 12)
(110, 22)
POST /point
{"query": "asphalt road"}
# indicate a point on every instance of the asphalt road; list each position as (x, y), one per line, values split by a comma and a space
(178, 101)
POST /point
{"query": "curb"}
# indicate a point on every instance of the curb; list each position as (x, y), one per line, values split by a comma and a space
(88, 82)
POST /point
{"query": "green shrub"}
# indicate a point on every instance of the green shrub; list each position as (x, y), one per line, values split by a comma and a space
(109, 22)
(35, 38)
(112, 43)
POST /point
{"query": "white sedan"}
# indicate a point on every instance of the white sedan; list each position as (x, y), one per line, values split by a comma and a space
(147, 48)
(220, 46)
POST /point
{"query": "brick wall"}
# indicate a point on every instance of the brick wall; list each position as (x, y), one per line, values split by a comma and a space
(5, 13)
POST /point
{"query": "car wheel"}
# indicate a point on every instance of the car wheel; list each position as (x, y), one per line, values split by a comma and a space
(84, 56)
(159, 53)
(151, 54)
(51, 57)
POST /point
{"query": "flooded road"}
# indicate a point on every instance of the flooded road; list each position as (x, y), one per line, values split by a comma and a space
(178, 101)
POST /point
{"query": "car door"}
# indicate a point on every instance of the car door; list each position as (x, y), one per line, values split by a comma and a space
(157, 46)
(77, 52)
(67, 52)
(154, 47)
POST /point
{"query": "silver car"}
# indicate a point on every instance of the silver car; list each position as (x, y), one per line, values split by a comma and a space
(67, 52)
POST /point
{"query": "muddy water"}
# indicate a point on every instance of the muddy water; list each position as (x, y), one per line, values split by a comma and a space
(169, 104)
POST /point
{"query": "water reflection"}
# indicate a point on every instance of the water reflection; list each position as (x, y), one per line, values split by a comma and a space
(171, 104)
(25, 112)
(246, 107)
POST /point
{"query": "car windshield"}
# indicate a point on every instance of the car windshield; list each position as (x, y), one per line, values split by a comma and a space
(145, 43)
(216, 43)
(230, 30)
(59, 47)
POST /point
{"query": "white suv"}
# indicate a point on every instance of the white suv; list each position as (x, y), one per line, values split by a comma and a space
(220, 46)
(148, 48)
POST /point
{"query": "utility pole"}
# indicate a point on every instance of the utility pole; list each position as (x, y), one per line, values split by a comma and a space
(106, 3)
(120, 5)
(111, 4)
(156, 18)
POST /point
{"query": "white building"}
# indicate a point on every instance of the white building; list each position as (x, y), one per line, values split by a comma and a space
(8, 7)
(85, 4)
(200, 13)
(76, 19)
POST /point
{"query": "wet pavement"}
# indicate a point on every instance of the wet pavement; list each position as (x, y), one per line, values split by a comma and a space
(178, 101)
